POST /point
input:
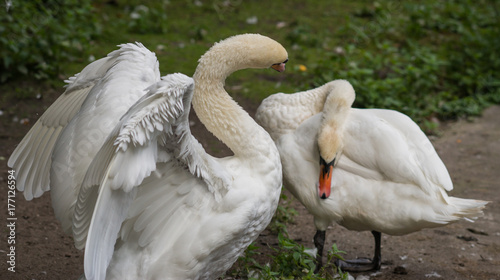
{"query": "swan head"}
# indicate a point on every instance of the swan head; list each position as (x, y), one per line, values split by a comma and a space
(340, 97)
(330, 148)
(241, 52)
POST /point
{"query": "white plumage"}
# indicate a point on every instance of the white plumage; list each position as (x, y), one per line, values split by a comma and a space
(385, 177)
(125, 164)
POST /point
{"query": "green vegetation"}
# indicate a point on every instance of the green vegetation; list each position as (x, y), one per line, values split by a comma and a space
(426, 59)
(284, 215)
(290, 261)
(37, 37)
(423, 58)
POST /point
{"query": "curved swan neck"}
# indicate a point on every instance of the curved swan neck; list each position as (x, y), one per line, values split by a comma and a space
(311, 102)
(216, 109)
(223, 117)
(340, 97)
(338, 102)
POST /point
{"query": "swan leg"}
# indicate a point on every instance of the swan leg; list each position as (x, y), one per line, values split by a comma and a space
(319, 242)
(360, 265)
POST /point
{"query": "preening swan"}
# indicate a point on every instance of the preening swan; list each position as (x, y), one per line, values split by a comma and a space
(137, 190)
(365, 169)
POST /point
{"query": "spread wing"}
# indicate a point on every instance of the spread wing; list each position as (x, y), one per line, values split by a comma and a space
(154, 130)
(32, 157)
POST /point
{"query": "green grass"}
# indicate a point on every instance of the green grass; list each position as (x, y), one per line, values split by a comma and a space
(187, 30)
(424, 58)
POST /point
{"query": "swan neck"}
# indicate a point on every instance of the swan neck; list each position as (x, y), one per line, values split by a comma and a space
(312, 101)
(220, 114)
(226, 120)
(337, 106)
(338, 102)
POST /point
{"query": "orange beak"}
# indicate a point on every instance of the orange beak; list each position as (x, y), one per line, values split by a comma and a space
(325, 178)
(280, 67)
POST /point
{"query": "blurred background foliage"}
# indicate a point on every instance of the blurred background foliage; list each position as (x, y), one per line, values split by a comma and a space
(428, 59)
(36, 37)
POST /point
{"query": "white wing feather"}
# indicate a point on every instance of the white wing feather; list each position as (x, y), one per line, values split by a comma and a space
(423, 151)
(156, 124)
(32, 157)
(132, 68)
(395, 146)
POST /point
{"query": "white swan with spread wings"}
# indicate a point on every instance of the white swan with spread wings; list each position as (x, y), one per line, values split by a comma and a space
(178, 212)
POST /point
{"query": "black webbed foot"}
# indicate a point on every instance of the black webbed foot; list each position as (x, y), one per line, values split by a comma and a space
(358, 265)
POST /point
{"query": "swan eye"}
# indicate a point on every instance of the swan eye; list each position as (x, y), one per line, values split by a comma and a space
(281, 62)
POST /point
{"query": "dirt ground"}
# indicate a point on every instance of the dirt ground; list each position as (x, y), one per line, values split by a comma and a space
(464, 250)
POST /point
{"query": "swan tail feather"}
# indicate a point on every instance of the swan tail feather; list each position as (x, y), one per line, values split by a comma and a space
(468, 209)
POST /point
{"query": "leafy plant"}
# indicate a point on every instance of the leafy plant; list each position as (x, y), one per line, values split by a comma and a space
(147, 20)
(291, 261)
(37, 36)
(425, 59)
(284, 214)
(333, 254)
(247, 264)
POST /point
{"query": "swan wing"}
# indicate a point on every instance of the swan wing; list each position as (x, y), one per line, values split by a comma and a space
(175, 212)
(154, 130)
(424, 154)
(32, 157)
(57, 151)
(392, 144)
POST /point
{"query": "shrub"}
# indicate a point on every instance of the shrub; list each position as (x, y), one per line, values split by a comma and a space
(36, 36)
(425, 59)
